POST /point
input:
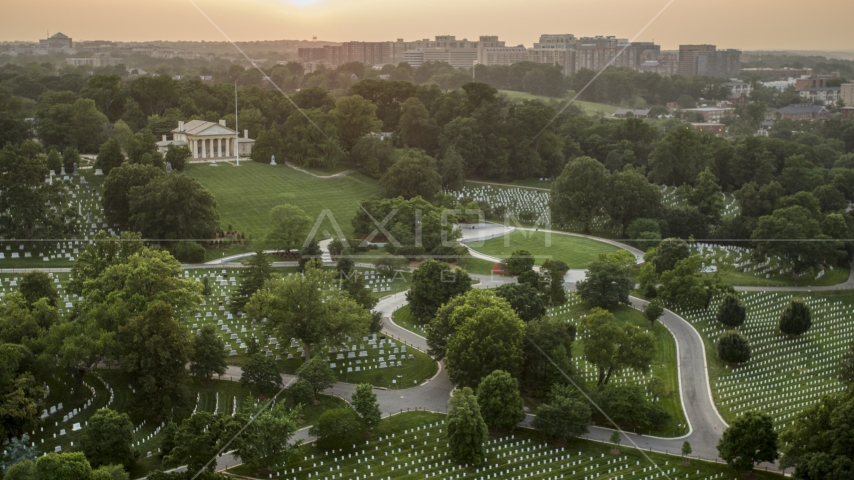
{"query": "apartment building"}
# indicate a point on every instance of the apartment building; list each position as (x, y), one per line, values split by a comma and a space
(707, 60)
(846, 94)
(555, 49)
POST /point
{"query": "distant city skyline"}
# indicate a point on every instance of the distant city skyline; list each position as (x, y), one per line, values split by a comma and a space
(779, 25)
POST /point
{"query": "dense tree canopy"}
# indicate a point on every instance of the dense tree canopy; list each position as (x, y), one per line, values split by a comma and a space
(173, 207)
(303, 306)
(433, 284)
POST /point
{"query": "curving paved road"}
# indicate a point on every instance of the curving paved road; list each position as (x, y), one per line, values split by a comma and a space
(706, 424)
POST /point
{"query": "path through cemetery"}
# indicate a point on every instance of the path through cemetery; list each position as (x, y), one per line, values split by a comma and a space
(706, 424)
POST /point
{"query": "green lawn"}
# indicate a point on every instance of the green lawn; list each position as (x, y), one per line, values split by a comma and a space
(476, 266)
(413, 373)
(588, 107)
(403, 318)
(246, 194)
(413, 445)
(784, 375)
(577, 252)
(664, 365)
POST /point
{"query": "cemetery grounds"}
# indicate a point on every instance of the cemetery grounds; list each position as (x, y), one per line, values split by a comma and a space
(412, 445)
(736, 263)
(664, 366)
(71, 401)
(783, 375)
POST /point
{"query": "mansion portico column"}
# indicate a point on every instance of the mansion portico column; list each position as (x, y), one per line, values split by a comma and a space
(221, 146)
(204, 148)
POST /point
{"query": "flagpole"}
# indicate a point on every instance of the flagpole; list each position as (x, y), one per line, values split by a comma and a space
(236, 127)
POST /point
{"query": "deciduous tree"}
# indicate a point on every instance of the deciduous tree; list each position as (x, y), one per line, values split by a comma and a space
(492, 339)
(173, 207)
(579, 194)
(108, 439)
(796, 319)
(565, 415)
(520, 261)
(733, 347)
(261, 372)
(433, 284)
(259, 269)
(208, 355)
(413, 174)
(266, 442)
(500, 401)
(318, 374)
(303, 306)
(156, 351)
(289, 227)
(117, 189)
(524, 299)
(612, 348)
(338, 427)
(35, 285)
(731, 312)
(467, 432)
(750, 439)
(364, 402)
(653, 311)
(609, 280)
(356, 118)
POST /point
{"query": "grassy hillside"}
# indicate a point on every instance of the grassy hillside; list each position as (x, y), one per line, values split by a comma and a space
(589, 107)
(246, 194)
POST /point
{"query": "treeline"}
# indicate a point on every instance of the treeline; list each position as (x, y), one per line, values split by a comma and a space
(821, 65)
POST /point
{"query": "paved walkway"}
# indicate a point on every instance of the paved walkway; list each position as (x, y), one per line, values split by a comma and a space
(705, 423)
(339, 174)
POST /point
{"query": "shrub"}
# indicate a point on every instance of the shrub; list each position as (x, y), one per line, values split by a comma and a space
(189, 252)
(733, 348)
(337, 428)
(731, 312)
(300, 393)
(796, 318)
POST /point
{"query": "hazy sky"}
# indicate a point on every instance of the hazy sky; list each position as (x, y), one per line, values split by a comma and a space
(745, 24)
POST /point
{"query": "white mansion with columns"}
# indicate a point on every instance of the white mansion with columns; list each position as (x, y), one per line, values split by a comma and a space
(208, 140)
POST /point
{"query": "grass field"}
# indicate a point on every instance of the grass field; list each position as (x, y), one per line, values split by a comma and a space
(246, 194)
(577, 252)
(403, 318)
(588, 107)
(783, 375)
(664, 365)
(413, 445)
(476, 266)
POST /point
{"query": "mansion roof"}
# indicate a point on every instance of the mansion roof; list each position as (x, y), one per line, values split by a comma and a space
(203, 128)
